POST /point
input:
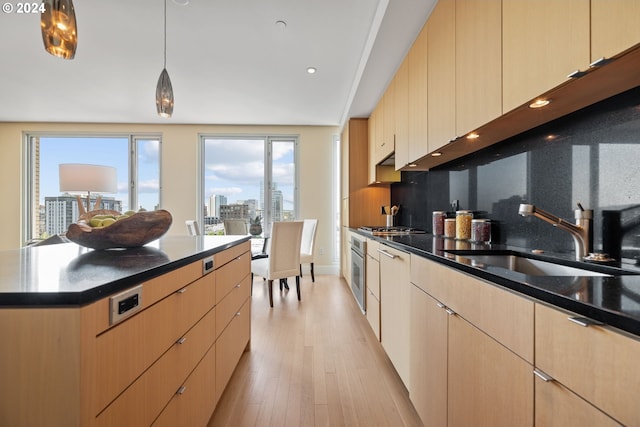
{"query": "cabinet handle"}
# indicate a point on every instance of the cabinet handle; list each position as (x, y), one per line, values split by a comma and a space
(181, 340)
(181, 291)
(449, 311)
(544, 377)
(238, 285)
(441, 305)
(238, 313)
(387, 254)
(181, 390)
(585, 321)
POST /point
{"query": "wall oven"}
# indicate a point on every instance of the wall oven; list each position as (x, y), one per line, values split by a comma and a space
(358, 284)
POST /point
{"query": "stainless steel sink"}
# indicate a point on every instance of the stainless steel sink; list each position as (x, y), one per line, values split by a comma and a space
(532, 267)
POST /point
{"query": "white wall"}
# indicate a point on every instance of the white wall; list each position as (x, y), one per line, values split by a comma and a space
(179, 172)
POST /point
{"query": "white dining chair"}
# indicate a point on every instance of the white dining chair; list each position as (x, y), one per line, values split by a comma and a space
(283, 258)
(307, 246)
(235, 227)
(192, 227)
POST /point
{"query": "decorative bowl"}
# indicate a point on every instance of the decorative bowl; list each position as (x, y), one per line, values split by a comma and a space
(127, 232)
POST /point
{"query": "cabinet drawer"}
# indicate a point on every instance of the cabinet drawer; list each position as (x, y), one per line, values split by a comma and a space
(194, 402)
(227, 255)
(596, 362)
(230, 345)
(141, 403)
(503, 315)
(230, 274)
(557, 406)
(231, 304)
(125, 351)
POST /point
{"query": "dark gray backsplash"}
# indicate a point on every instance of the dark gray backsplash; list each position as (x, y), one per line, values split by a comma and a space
(591, 156)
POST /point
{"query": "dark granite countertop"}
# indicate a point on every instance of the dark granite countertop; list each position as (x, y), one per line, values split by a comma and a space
(613, 300)
(67, 274)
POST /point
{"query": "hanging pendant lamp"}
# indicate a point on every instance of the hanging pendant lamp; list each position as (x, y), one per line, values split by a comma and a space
(164, 91)
(59, 30)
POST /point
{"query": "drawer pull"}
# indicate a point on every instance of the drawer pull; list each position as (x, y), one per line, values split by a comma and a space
(544, 377)
(238, 285)
(441, 305)
(181, 390)
(181, 340)
(585, 321)
(181, 291)
(238, 313)
(449, 311)
(387, 254)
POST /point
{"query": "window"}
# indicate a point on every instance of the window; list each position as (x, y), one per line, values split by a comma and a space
(48, 211)
(248, 177)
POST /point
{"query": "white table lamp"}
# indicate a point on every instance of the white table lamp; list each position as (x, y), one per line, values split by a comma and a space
(81, 178)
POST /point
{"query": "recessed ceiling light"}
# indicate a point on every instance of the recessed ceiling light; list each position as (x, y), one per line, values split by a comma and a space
(281, 24)
(311, 70)
(436, 154)
(413, 165)
(538, 103)
(473, 135)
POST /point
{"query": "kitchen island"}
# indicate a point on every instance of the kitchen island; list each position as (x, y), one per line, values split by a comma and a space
(142, 336)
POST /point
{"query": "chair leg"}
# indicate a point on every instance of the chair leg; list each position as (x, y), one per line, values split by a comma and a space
(298, 286)
(313, 277)
(300, 270)
(271, 293)
(251, 283)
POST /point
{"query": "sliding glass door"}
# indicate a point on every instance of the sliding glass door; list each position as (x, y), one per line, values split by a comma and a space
(251, 178)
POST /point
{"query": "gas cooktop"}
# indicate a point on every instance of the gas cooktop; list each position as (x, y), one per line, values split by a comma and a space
(390, 231)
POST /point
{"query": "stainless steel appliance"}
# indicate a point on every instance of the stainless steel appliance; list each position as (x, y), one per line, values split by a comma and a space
(358, 284)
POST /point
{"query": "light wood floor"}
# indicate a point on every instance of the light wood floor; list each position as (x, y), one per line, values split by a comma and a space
(313, 363)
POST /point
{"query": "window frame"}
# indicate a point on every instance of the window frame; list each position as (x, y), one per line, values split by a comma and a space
(268, 171)
(29, 168)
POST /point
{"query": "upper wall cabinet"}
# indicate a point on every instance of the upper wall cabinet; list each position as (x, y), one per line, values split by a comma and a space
(478, 48)
(441, 66)
(402, 114)
(614, 27)
(543, 42)
(418, 145)
(389, 131)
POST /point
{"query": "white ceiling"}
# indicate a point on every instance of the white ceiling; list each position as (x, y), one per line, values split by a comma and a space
(228, 61)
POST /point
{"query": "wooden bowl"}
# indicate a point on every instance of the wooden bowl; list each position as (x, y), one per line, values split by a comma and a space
(130, 232)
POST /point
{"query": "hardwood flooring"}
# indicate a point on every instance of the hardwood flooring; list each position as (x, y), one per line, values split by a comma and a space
(313, 363)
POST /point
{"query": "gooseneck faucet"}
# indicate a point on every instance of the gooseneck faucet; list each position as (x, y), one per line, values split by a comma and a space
(581, 231)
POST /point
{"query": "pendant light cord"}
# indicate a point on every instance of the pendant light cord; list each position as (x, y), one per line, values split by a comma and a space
(165, 34)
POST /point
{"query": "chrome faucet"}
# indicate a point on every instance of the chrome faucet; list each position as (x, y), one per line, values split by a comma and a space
(581, 231)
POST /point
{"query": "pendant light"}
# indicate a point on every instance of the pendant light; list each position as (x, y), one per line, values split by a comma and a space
(59, 30)
(164, 91)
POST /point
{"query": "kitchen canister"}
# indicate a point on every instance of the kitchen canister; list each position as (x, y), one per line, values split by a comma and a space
(463, 224)
(481, 230)
(450, 227)
(438, 222)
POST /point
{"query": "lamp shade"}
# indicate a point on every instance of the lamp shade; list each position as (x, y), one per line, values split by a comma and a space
(76, 177)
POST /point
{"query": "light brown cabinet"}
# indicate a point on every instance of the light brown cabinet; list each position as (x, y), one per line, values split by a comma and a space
(159, 363)
(596, 363)
(481, 361)
(373, 286)
(542, 43)
(614, 27)
(418, 95)
(441, 71)
(394, 301)
(478, 63)
(388, 144)
(428, 358)
(401, 91)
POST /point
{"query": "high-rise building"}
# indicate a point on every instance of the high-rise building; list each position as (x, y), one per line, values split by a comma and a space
(62, 211)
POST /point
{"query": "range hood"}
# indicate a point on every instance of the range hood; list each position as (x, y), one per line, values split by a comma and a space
(385, 171)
